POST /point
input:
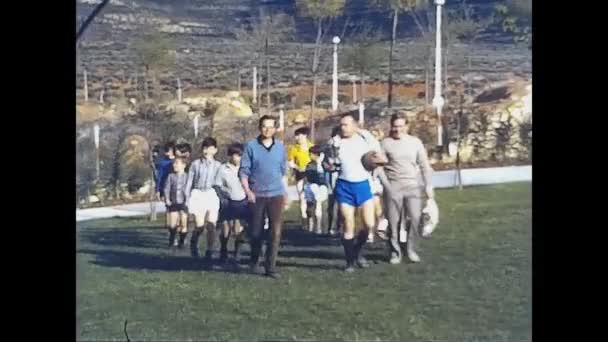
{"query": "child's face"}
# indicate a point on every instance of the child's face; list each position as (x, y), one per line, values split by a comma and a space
(179, 166)
(314, 157)
(209, 151)
(169, 154)
(235, 159)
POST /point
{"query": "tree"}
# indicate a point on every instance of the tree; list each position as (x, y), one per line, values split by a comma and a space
(515, 17)
(320, 11)
(155, 52)
(364, 55)
(395, 7)
(258, 37)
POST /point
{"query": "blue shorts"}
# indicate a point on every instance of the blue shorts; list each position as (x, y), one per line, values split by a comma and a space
(235, 210)
(353, 194)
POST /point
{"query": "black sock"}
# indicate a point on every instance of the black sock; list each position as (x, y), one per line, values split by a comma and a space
(172, 232)
(223, 246)
(348, 251)
(361, 240)
(182, 238)
(195, 236)
(256, 247)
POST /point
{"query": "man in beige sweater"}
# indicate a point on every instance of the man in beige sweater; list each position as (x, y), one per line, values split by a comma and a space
(406, 176)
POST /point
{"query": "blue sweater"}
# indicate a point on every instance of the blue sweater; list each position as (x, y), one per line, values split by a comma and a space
(163, 169)
(264, 167)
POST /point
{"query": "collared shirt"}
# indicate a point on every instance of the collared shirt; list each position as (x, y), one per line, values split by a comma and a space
(202, 175)
(264, 167)
(175, 188)
(228, 181)
(300, 154)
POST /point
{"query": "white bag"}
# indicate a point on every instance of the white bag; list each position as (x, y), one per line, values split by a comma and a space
(430, 217)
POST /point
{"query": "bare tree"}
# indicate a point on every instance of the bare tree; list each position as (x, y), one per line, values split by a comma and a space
(364, 55)
(154, 52)
(396, 7)
(321, 12)
(269, 29)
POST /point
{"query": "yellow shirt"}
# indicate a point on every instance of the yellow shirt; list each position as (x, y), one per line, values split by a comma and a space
(299, 155)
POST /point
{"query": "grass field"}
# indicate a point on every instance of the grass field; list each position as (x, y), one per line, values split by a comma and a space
(474, 283)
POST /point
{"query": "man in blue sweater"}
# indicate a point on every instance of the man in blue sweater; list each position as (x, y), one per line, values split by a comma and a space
(263, 174)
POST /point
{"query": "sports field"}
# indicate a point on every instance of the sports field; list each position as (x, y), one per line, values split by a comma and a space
(474, 282)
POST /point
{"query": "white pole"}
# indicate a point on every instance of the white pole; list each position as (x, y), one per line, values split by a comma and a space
(361, 113)
(281, 120)
(255, 85)
(438, 100)
(179, 90)
(195, 123)
(354, 91)
(334, 88)
(96, 140)
(86, 87)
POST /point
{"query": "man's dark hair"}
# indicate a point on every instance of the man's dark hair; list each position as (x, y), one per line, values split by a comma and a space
(316, 150)
(398, 116)
(170, 146)
(267, 117)
(235, 148)
(208, 142)
(347, 114)
(183, 148)
(302, 130)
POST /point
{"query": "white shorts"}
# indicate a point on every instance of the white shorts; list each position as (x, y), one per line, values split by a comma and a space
(315, 193)
(205, 202)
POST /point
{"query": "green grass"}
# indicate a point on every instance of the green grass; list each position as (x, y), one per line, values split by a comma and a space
(474, 283)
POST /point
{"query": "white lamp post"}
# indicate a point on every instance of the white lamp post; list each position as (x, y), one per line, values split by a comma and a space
(438, 100)
(361, 113)
(195, 124)
(281, 120)
(255, 85)
(354, 80)
(96, 140)
(334, 88)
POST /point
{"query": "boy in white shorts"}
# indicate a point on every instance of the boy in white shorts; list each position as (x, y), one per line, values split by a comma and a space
(315, 190)
(202, 199)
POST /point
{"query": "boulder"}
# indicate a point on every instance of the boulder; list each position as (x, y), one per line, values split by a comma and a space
(93, 199)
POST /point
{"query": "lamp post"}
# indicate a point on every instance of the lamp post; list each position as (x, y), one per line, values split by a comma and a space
(353, 79)
(96, 140)
(334, 88)
(255, 85)
(195, 124)
(438, 100)
(361, 113)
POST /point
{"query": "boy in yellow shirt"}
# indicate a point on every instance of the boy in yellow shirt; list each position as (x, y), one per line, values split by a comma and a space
(298, 157)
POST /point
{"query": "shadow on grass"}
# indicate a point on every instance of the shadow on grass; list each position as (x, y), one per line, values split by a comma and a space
(124, 237)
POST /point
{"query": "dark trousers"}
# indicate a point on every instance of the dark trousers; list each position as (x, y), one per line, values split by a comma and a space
(273, 208)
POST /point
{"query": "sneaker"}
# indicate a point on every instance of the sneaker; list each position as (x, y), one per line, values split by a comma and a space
(413, 256)
(273, 275)
(362, 262)
(349, 269)
(395, 260)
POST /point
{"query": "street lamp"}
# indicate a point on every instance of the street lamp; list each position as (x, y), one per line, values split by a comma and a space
(96, 140)
(334, 88)
(438, 100)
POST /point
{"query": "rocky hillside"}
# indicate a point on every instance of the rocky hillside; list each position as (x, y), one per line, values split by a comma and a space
(209, 57)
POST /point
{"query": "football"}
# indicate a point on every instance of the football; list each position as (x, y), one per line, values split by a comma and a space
(372, 159)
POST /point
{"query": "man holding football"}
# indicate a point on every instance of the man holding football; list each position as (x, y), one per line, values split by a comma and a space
(353, 191)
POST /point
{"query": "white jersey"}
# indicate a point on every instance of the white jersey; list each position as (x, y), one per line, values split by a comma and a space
(350, 152)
